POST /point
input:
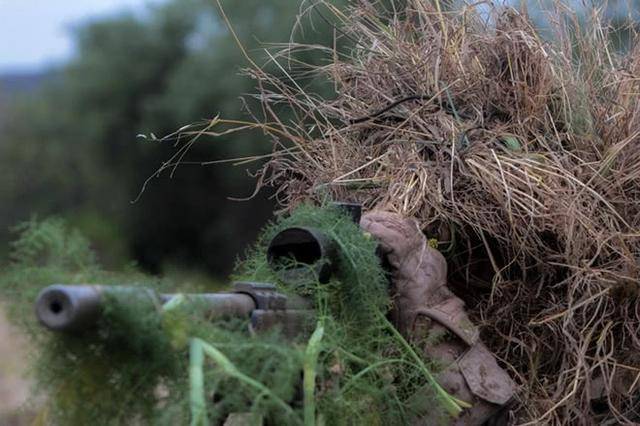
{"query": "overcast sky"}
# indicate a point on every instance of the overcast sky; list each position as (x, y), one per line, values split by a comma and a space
(35, 33)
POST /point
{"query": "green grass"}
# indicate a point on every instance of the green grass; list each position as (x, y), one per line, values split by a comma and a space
(171, 365)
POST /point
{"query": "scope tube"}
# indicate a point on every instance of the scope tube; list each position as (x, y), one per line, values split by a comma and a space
(298, 251)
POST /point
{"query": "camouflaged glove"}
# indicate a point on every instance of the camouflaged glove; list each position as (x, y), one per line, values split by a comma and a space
(427, 313)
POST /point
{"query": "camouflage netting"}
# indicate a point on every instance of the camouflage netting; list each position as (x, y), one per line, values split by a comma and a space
(521, 155)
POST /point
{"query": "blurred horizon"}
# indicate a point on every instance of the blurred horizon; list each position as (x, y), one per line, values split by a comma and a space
(80, 79)
(47, 41)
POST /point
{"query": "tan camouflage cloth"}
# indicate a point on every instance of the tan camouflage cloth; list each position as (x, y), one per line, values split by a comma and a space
(427, 313)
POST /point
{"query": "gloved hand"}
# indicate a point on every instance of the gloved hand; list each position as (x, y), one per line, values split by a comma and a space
(427, 313)
(419, 272)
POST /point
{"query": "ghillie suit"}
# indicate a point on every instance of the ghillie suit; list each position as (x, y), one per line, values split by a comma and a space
(520, 155)
(131, 353)
(518, 151)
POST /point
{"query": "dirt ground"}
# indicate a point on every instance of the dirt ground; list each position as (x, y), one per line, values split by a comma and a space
(13, 387)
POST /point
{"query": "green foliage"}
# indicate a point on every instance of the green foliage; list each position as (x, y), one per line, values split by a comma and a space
(51, 243)
(367, 373)
(161, 364)
(111, 374)
(133, 367)
(108, 374)
(70, 149)
(358, 265)
(45, 252)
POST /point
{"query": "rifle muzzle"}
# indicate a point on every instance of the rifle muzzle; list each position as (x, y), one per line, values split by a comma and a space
(67, 308)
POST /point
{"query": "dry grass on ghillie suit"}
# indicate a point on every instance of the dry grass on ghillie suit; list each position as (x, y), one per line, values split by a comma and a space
(520, 154)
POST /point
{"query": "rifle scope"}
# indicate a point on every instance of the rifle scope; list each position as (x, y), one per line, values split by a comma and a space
(299, 252)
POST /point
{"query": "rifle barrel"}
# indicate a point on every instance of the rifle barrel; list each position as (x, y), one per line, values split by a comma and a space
(67, 308)
(73, 308)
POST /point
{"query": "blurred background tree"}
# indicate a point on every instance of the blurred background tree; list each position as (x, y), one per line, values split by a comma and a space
(69, 148)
